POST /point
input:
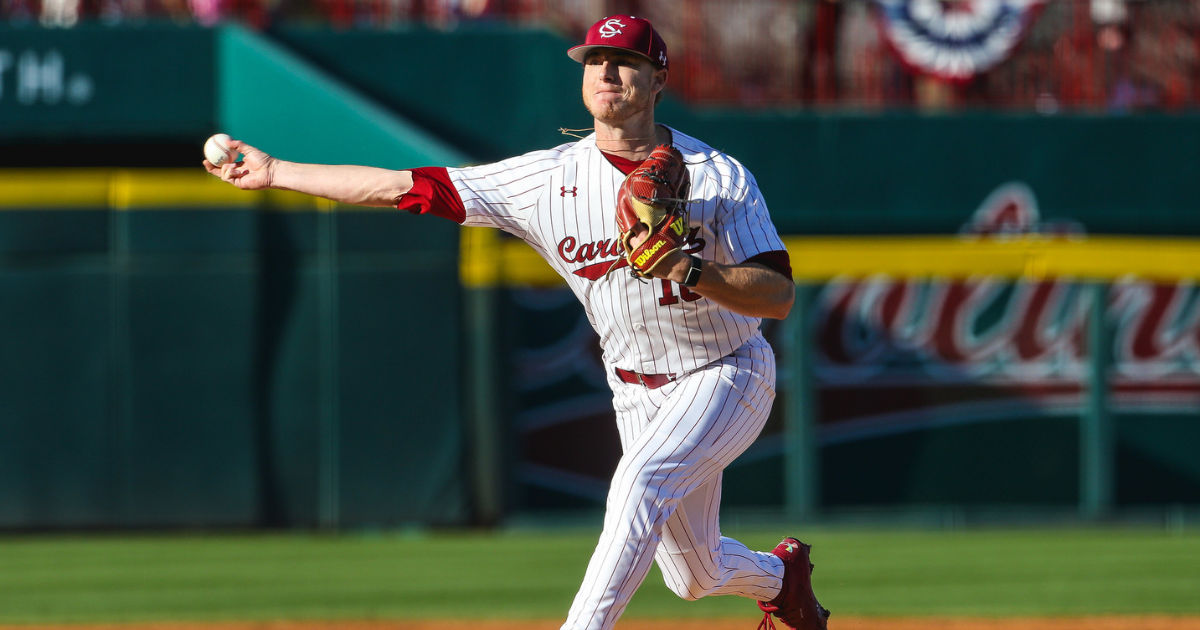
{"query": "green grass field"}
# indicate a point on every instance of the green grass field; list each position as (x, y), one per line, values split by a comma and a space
(534, 574)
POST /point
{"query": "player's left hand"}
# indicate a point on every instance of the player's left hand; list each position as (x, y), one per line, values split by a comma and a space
(650, 212)
(640, 234)
(673, 266)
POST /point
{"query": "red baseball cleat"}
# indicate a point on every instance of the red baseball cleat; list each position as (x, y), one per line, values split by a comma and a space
(796, 605)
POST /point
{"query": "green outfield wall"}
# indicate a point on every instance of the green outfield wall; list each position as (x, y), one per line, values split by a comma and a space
(232, 364)
(179, 355)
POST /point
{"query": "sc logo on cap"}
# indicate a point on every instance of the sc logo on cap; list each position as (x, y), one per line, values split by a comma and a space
(609, 29)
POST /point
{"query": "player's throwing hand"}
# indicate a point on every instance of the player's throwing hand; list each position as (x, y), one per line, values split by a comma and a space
(253, 172)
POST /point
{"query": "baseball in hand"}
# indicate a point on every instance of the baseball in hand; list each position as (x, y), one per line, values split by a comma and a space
(216, 150)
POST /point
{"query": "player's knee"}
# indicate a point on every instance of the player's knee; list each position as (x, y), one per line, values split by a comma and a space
(680, 577)
(653, 485)
(633, 476)
(687, 587)
(688, 596)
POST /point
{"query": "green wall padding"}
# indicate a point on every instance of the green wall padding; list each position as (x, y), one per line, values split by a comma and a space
(152, 82)
(163, 368)
(279, 103)
(492, 92)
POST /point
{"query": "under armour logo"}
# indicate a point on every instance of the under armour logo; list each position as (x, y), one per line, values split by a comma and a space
(662, 56)
(609, 28)
(565, 191)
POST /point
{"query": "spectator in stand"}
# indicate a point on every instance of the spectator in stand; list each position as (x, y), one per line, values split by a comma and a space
(61, 13)
(206, 12)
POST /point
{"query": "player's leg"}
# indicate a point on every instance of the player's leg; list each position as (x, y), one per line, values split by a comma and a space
(696, 561)
(696, 427)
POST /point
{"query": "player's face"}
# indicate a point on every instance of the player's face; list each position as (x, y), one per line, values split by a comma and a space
(618, 84)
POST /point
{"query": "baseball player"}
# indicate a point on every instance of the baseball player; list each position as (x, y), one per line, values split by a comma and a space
(668, 244)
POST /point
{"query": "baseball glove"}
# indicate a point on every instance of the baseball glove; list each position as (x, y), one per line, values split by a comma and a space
(653, 195)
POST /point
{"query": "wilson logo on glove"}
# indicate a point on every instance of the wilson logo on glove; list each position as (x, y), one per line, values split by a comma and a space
(641, 260)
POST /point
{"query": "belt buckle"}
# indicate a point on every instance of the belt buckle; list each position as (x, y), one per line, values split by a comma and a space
(641, 379)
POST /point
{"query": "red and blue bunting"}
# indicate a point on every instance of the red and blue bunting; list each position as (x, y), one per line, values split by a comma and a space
(955, 39)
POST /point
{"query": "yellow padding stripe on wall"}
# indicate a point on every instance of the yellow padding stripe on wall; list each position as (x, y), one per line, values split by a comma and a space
(133, 189)
(489, 260)
(1027, 257)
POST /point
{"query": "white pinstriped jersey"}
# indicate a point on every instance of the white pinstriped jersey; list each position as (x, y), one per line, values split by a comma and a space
(562, 201)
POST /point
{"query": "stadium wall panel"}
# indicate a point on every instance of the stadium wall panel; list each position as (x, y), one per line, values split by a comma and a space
(166, 367)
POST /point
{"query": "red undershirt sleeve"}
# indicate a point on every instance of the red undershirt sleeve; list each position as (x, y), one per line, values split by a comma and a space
(433, 193)
(777, 260)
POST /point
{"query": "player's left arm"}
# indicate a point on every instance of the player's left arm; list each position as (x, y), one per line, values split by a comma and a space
(750, 288)
(745, 233)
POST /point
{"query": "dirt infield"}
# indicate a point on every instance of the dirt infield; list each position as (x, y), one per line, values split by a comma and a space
(844, 623)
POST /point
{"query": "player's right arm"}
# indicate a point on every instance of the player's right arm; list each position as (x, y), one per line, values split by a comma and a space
(358, 185)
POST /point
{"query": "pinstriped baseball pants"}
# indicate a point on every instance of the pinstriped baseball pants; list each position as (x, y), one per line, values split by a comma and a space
(666, 493)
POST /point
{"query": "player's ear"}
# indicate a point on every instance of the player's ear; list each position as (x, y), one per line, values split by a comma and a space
(658, 81)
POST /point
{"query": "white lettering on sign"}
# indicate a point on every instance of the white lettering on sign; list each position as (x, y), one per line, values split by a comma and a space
(41, 79)
(79, 89)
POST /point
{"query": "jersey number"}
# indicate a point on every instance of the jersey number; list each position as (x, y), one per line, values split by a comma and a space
(668, 297)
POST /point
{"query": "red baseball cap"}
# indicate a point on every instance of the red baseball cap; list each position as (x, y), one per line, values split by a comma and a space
(627, 32)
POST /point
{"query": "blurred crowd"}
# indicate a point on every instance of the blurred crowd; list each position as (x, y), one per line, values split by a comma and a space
(260, 13)
(1080, 55)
